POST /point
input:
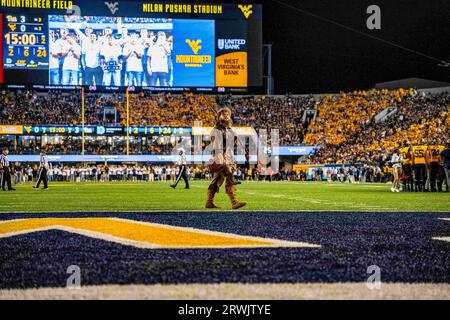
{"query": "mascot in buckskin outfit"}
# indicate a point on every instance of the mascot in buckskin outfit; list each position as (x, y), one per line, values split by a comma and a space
(222, 163)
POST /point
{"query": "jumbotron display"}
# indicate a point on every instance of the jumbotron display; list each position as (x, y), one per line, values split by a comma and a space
(115, 45)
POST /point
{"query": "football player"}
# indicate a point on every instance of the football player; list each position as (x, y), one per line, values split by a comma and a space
(406, 153)
(445, 161)
(133, 52)
(419, 165)
(111, 59)
(433, 160)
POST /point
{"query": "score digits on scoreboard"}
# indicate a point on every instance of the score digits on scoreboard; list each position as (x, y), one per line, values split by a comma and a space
(25, 42)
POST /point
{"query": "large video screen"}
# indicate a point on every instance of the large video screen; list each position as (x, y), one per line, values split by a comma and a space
(117, 45)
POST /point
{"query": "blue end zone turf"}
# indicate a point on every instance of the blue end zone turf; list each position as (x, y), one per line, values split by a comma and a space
(401, 244)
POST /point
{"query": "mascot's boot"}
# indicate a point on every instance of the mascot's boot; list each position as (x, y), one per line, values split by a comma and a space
(210, 200)
(231, 191)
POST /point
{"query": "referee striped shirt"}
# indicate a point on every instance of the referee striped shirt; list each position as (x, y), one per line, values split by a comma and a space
(43, 163)
(4, 160)
(182, 160)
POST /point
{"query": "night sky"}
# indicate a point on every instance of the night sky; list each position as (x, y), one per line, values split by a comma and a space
(313, 56)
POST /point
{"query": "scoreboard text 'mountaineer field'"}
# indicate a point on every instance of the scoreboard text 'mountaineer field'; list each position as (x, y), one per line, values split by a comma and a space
(113, 45)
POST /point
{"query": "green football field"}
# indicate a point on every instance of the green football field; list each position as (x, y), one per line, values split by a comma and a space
(270, 196)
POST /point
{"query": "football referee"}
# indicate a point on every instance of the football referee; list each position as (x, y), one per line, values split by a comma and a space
(182, 173)
(5, 170)
(42, 175)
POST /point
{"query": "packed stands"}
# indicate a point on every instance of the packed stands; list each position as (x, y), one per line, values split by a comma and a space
(169, 110)
(347, 132)
(344, 125)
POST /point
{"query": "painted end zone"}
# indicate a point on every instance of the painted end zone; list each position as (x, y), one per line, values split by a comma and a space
(274, 251)
(142, 234)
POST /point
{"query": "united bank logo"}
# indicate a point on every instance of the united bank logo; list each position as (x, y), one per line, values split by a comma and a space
(247, 10)
(196, 59)
(194, 45)
(230, 44)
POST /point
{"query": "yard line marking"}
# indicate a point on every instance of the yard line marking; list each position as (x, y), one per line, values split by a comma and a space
(443, 238)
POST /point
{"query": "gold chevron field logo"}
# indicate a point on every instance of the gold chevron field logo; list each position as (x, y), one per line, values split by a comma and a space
(142, 234)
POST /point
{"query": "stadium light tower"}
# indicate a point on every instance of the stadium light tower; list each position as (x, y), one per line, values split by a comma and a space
(269, 77)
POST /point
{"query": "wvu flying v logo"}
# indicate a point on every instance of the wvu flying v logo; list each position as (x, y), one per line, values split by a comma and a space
(142, 234)
(194, 44)
(112, 6)
(246, 9)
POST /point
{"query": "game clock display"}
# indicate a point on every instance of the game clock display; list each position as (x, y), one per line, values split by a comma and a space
(25, 42)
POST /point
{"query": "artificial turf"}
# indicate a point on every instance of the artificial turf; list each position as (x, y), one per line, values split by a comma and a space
(270, 196)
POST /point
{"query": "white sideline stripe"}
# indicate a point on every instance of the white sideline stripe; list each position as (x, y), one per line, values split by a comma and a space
(232, 291)
(275, 243)
(443, 238)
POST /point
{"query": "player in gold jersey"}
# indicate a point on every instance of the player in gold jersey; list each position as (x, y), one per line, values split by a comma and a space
(406, 153)
(420, 166)
(441, 175)
(445, 162)
(433, 159)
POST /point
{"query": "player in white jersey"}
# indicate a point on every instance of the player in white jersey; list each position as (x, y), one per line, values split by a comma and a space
(157, 65)
(86, 41)
(84, 37)
(93, 73)
(54, 56)
(396, 162)
(58, 48)
(145, 42)
(111, 59)
(71, 52)
(122, 41)
(133, 52)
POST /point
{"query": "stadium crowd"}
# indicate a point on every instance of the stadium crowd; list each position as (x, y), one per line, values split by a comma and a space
(147, 172)
(348, 133)
(344, 125)
(284, 113)
(52, 107)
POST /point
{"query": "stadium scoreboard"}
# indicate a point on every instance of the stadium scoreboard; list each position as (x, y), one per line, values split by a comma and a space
(25, 42)
(156, 46)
